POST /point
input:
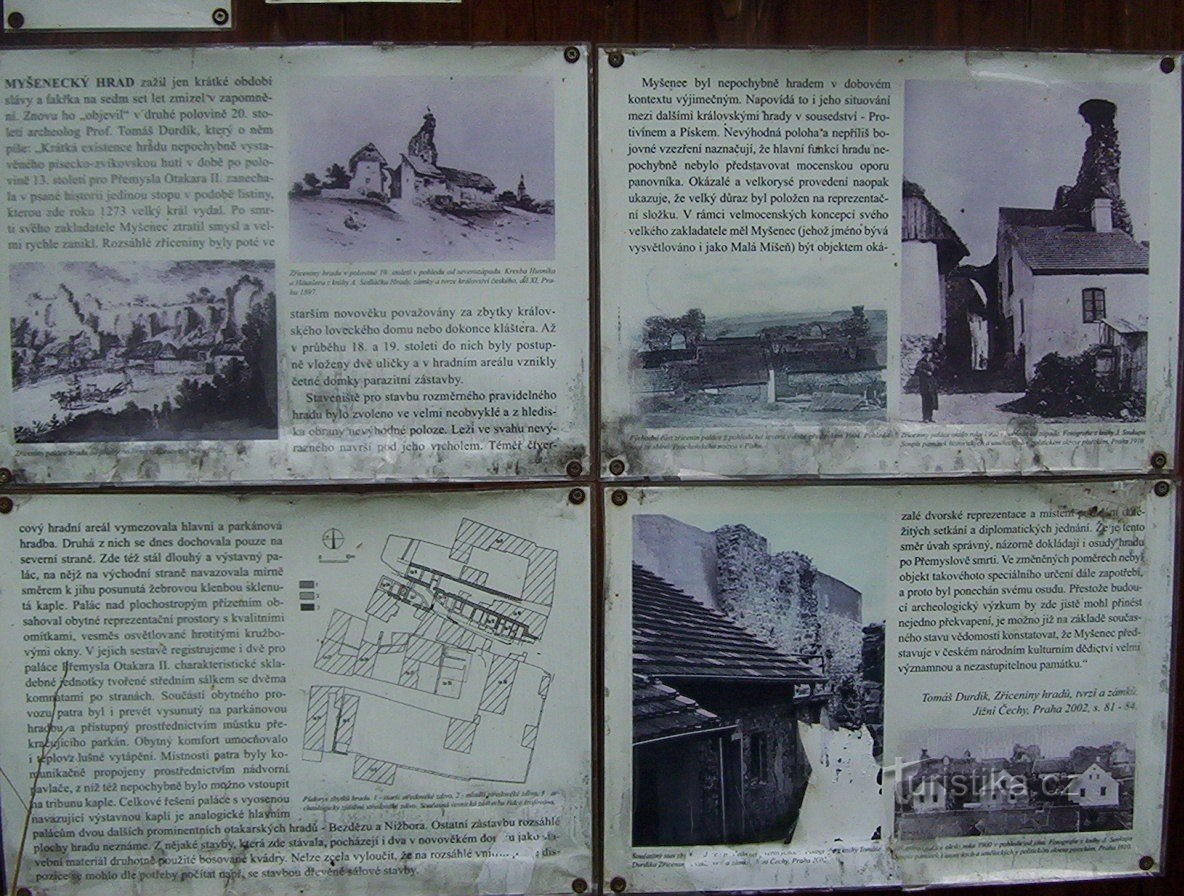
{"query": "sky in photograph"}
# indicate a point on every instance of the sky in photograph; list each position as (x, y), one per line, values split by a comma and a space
(852, 547)
(501, 127)
(997, 740)
(975, 147)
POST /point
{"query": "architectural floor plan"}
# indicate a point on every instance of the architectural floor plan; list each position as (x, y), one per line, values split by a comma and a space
(434, 676)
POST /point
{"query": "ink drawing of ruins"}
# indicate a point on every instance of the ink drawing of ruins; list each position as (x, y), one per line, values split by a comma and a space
(143, 351)
(423, 170)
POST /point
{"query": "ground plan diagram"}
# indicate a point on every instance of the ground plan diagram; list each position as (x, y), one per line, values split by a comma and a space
(434, 676)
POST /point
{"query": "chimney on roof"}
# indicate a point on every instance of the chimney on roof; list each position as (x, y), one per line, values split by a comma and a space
(1101, 216)
(1097, 178)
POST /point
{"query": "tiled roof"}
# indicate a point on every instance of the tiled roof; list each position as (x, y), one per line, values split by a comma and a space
(368, 153)
(1052, 766)
(969, 769)
(469, 179)
(227, 349)
(1073, 783)
(932, 225)
(1054, 242)
(422, 167)
(145, 351)
(1087, 757)
(675, 636)
(1125, 326)
(661, 711)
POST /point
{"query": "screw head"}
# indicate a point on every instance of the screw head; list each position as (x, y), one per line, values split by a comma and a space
(6, 504)
(571, 54)
(617, 884)
(16, 20)
(574, 468)
(1159, 460)
(616, 58)
(220, 16)
(1146, 863)
(23, 891)
(1167, 65)
(619, 497)
(579, 885)
(576, 496)
(5, 475)
(1162, 488)
(616, 467)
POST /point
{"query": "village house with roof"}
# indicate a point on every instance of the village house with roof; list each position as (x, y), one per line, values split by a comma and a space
(1093, 787)
(930, 250)
(416, 175)
(716, 752)
(1066, 280)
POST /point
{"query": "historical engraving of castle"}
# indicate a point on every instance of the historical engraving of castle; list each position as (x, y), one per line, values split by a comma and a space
(143, 351)
(434, 676)
(441, 172)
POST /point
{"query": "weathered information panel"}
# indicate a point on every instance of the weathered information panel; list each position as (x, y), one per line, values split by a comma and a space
(121, 15)
(854, 686)
(316, 263)
(239, 693)
(829, 263)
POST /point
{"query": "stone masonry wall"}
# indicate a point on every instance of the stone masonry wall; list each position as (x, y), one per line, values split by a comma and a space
(771, 595)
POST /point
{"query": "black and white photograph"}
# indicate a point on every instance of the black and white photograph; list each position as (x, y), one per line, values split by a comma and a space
(1013, 780)
(1025, 254)
(422, 169)
(758, 679)
(143, 351)
(700, 369)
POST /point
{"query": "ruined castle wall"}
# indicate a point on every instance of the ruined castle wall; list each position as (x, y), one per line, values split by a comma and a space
(842, 645)
(770, 595)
